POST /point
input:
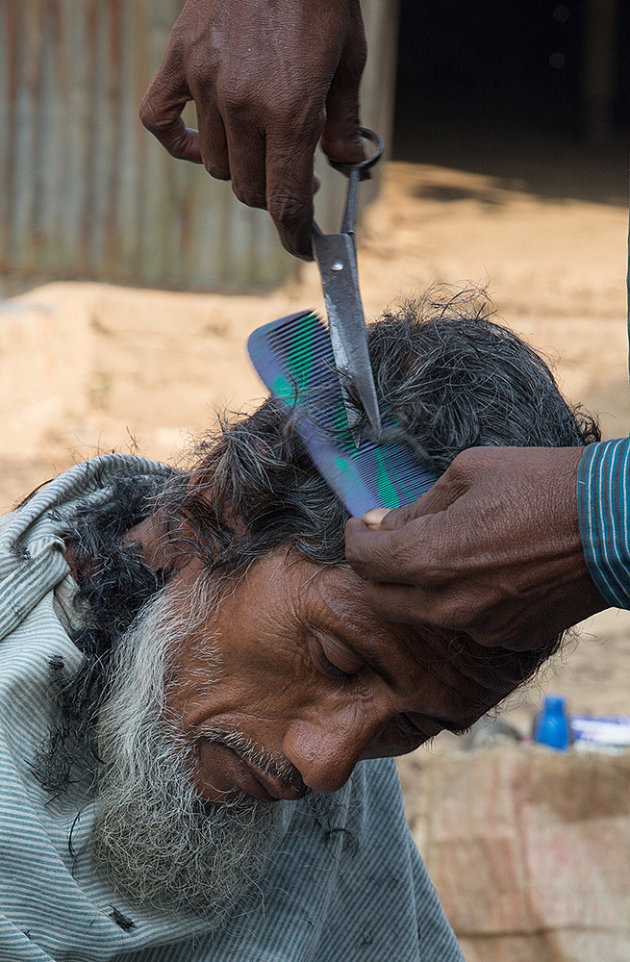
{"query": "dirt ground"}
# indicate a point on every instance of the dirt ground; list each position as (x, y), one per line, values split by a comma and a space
(544, 230)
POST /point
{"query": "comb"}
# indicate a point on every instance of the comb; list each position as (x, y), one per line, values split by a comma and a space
(294, 358)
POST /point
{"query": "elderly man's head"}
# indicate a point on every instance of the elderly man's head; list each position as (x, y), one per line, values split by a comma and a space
(258, 672)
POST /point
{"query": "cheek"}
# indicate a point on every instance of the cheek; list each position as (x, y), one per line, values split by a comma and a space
(261, 678)
(266, 666)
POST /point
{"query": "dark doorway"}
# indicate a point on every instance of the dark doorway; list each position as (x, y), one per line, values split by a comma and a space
(490, 66)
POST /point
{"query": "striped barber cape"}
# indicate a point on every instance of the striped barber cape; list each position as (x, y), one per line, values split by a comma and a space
(348, 887)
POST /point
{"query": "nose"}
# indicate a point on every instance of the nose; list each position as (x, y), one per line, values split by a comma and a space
(325, 750)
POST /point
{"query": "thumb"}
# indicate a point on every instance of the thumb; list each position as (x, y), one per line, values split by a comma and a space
(395, 518)
(441, 496)
(375, 517)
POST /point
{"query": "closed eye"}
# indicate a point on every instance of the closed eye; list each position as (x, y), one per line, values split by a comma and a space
(330, 668)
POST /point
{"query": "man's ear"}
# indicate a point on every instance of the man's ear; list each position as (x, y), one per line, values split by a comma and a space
(207, 494)
(164, 547)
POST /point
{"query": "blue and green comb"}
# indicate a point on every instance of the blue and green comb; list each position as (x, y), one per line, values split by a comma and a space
(294, 358)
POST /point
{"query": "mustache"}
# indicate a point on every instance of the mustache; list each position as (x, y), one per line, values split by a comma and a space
(280, 770)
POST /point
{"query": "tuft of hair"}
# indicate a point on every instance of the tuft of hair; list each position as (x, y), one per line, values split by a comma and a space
(452, 378)
(113, 584)
(455, 379)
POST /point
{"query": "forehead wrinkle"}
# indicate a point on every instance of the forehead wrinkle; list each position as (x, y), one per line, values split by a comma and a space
(496, 670)
(348, 630)
(466, 691)
(351, 620)
(330, 599)
(473, 693)
(363, 653)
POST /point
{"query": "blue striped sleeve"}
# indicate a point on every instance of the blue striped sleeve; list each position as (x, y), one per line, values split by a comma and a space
(604, 515)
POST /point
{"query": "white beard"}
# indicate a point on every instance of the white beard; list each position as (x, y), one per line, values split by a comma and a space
(156, 841)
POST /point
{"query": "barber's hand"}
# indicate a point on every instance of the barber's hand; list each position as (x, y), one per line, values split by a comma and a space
(493, 550)
(268, 80)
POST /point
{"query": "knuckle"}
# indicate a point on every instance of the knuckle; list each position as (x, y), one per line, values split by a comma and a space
(237, 106)
(288, 208)
(457, 615)
(465, 463)
(400, 558)
(164, 123)
(238, 99)
(470, 461)
(201, 70)
(148, 114)
(428, 565)
(410, 564)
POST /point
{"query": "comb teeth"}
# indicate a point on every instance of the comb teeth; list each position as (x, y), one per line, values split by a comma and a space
(294, 358)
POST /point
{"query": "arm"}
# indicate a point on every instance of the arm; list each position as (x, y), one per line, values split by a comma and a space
(269, 79)
(493, 549)
(604, 511)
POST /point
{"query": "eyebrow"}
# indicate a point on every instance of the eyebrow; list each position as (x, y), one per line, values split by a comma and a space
(371, 660)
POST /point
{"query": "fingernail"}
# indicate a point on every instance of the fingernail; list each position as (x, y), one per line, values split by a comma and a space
(374, 517)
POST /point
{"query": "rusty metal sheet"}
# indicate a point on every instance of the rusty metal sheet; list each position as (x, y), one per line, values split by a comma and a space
(86, 192)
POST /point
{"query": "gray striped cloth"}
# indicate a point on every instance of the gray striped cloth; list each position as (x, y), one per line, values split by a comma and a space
(351, 887)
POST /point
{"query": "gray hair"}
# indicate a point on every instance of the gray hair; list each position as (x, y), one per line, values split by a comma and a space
(451, 377)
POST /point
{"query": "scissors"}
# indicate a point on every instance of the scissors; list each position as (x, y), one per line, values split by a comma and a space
(336, 257)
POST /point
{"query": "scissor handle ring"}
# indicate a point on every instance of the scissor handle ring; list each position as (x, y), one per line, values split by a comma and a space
(368, 134)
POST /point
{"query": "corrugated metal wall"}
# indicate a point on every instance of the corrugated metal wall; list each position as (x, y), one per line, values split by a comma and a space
(86, 192)
(377, 106)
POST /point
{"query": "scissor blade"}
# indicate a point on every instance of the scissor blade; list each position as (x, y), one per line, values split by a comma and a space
(337, 263)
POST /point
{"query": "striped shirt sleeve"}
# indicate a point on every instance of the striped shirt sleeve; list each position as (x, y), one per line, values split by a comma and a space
(604, 516)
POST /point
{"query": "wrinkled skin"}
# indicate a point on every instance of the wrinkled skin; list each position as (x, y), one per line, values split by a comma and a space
(492, 550)
(269, 79)
(298, 666)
